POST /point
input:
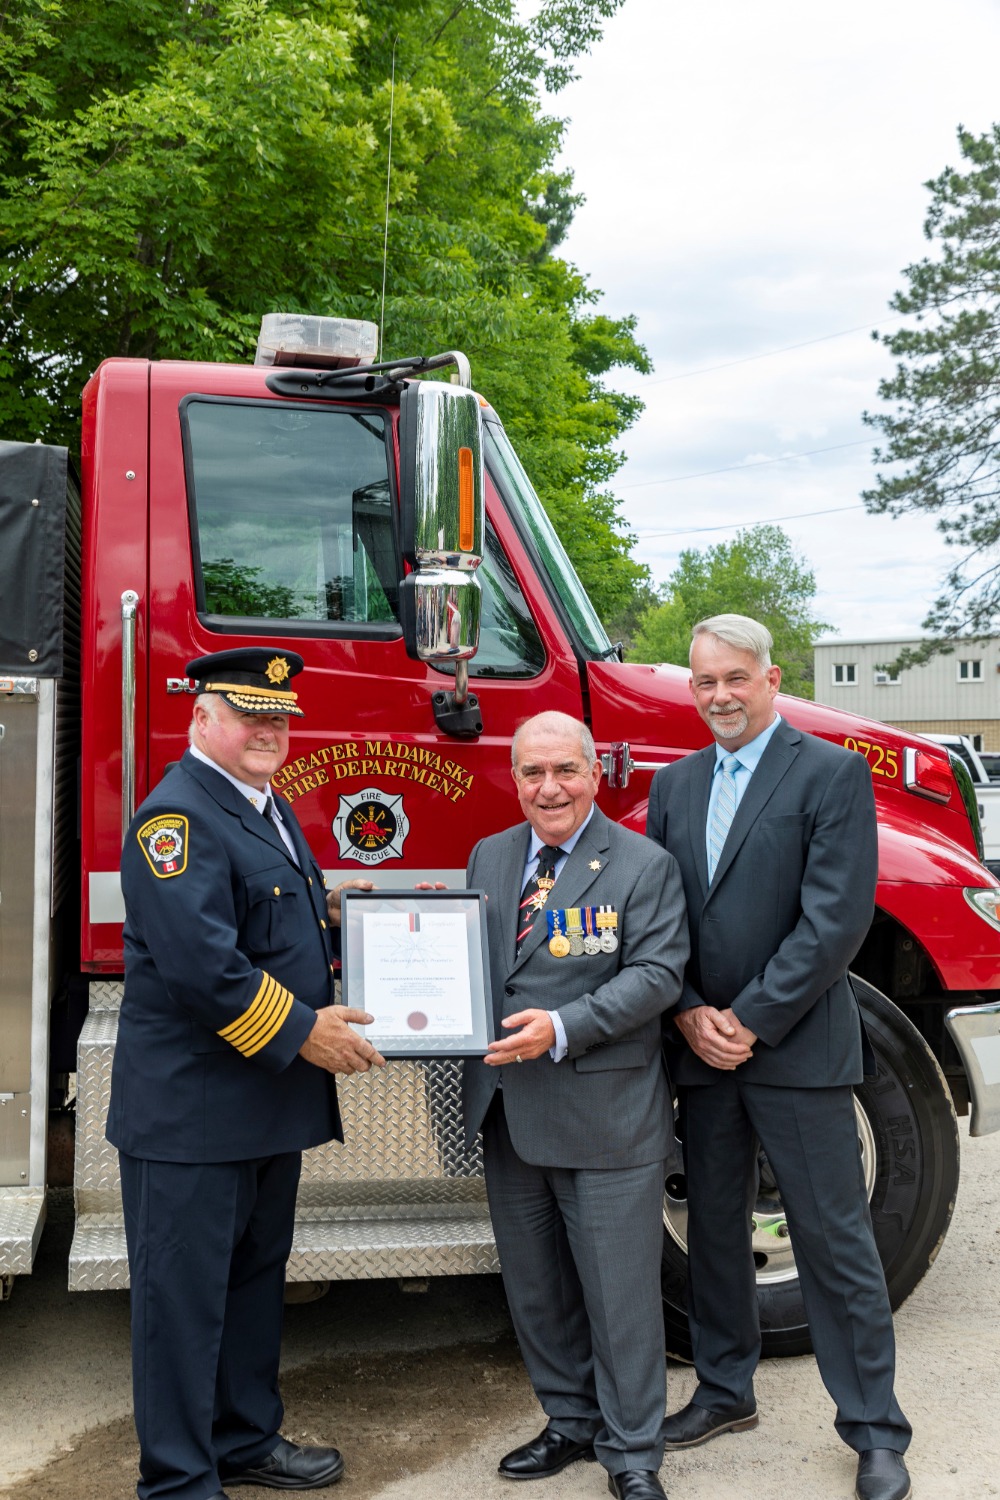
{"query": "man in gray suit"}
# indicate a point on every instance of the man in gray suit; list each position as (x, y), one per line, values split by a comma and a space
(775, 835)
(587, 942)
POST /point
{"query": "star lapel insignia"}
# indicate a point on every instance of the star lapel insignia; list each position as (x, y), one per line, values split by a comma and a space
(595, 864)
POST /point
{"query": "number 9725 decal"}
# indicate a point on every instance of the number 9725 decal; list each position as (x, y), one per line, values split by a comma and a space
(882, 762)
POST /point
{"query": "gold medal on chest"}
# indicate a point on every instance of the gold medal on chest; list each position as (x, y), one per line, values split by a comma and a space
(558, 941)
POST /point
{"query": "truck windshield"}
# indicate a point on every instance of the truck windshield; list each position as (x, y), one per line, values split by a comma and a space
(521, 499)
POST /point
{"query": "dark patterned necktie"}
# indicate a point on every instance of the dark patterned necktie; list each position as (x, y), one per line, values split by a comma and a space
(535, 894)
(268, 813)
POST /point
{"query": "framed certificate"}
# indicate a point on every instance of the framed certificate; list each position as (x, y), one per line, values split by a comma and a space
(418, 962)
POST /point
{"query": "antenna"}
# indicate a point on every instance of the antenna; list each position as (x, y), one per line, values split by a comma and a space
(388, 179)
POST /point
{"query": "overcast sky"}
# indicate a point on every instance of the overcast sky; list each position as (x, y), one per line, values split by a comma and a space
(754, 177)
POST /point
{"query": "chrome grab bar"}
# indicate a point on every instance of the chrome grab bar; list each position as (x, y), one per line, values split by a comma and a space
(130, 603)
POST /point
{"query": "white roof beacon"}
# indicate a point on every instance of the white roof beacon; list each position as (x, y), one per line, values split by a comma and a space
(316, 343)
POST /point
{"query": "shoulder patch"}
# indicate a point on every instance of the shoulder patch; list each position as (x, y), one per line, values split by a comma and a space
(164, 842)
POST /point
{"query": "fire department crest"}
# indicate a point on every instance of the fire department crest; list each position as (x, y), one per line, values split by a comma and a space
(371, 826)
(278, 670)
(164, 842)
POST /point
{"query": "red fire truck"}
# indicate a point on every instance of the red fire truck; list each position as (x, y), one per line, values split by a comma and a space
(376, 518)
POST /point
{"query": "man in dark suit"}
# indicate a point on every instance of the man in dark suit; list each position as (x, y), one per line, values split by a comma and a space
(227, 1043)
(775, 835)
(587, 942)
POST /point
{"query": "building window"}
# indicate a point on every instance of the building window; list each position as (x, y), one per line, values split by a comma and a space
(884, 678)
(971, 670)
(845, 673)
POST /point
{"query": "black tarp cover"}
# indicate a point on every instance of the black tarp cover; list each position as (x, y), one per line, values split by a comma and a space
(32, 548)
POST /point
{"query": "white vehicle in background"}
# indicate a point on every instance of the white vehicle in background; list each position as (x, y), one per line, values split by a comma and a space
(987, 792)
(991, 760)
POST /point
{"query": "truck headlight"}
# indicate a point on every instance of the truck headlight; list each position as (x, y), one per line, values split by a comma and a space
(985, 901)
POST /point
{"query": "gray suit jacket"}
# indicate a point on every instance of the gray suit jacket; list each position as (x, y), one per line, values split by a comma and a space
(789, 907)
(606, 1104)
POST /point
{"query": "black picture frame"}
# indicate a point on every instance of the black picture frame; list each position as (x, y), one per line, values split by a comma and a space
(423, 1042)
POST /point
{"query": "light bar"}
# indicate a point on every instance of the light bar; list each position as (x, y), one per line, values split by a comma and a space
(317, 343)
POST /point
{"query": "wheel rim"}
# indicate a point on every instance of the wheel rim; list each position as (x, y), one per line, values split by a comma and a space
(771, 1238)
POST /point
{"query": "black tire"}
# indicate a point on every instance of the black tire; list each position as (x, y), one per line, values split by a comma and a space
(910, 1140)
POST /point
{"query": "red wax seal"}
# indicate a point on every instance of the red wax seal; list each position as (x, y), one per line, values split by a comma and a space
(416, 1020)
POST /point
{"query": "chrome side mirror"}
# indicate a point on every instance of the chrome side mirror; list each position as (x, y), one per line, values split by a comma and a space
(448, 606)
(443, 513)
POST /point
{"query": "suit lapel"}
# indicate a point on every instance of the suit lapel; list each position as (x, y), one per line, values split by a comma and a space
(291, 822)
(513, 855)
(701, 786)
(778, 756)
(574, 879)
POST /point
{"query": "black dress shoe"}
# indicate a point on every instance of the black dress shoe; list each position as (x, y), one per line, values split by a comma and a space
(546, 1454)
(882, 1475)
(289, 1467)
(636, 1484)
(696, 1424)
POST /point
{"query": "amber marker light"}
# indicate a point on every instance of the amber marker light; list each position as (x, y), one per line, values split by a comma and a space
(466, 502)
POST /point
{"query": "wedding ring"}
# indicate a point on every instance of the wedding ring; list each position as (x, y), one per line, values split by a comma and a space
(518, 1058)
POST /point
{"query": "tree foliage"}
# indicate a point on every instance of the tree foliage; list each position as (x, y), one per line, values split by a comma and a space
(171, 171)
(942, 416)
(757, 574)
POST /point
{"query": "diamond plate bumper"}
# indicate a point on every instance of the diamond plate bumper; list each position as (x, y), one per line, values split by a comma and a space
(22, 1214)
(402, 1198)
(329, 1249)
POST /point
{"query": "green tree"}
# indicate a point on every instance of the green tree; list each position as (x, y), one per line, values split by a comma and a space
(233, 589)
(170, 172)
(942, 416)
(757, 574)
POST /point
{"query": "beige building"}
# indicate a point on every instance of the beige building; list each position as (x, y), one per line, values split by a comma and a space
(954, 694)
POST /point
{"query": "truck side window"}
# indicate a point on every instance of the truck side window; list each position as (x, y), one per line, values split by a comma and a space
(291, 512)
(509, 643)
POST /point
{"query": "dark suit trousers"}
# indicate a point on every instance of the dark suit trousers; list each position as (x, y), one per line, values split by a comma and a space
(580, 1255)
(810, 1137)
(207, 1246)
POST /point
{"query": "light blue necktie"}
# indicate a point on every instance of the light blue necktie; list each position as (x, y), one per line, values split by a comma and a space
(723, 812)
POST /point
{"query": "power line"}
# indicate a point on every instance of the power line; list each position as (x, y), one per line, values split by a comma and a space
(770, 353)
(753, 463)
(645, 536)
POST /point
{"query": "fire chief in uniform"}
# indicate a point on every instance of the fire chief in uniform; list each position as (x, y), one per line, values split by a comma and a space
(223, 1073)
(587, 944)
(775, 835)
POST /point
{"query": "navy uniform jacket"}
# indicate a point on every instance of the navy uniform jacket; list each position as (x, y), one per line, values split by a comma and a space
(228, 955)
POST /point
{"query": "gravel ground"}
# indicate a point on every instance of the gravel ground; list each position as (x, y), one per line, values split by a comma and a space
(424, 1392)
